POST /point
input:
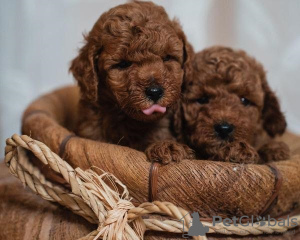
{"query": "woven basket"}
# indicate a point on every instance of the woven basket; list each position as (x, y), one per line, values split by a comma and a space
(208, 187)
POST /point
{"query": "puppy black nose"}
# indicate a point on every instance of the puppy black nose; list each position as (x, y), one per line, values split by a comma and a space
(154, 93)
(224, 129)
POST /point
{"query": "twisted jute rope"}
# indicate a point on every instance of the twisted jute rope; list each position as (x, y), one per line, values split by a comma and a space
(104, 200)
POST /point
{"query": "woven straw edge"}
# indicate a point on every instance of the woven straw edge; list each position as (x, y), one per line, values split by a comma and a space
(82, 202)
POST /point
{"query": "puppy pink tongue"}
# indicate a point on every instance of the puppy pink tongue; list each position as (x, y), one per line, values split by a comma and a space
(154, 108)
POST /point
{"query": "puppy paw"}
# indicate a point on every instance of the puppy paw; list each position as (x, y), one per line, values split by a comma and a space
(167, 151)
(274, 151)
(241, 152)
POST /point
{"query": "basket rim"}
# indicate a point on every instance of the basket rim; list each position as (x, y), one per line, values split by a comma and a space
(67, 139)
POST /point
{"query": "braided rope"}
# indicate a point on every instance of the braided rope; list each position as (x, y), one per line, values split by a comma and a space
(97, 199)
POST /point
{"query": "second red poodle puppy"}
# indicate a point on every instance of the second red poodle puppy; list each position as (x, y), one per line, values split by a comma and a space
(228, 107)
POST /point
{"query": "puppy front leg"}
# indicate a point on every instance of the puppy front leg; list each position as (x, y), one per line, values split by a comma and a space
(167, 151)
(274, 151)
(238, 152)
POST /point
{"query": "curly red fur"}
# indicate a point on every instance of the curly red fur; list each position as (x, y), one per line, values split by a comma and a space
(222, 79)
(154, 51)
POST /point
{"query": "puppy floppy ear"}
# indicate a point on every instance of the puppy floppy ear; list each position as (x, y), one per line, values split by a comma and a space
(84, 70)
(177, 120)
(188, 52)
(273, 119)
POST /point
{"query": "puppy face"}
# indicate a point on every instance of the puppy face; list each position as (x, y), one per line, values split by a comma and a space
(135, 57)
(143, 70)
(226, 103)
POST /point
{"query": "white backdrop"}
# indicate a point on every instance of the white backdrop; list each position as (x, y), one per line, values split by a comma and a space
(39, 38)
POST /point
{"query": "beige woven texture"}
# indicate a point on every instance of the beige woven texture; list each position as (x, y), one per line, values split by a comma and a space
(104, 200)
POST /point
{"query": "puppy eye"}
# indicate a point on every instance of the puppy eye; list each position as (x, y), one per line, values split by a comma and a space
(123, 64)
(203, 100)
(245, 101)
(168, 58)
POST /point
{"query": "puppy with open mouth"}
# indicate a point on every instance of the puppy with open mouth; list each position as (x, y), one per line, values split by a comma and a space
(228, 111)
(130, 72)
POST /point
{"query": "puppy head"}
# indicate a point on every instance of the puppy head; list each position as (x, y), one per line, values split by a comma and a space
(227, 101)
(135, 58)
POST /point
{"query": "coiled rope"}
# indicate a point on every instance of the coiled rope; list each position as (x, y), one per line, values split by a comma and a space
(104, 200)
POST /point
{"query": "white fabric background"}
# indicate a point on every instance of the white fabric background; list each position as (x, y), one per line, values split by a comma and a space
(39, 38)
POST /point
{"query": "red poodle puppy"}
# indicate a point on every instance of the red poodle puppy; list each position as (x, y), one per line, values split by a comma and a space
(130, 72)
(228, 109)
